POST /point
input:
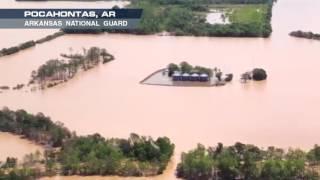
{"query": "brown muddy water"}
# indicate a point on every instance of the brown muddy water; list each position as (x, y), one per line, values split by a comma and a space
(14, 146)
(282, 111)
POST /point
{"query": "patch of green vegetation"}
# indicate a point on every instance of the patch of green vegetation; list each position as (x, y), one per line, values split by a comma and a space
(70, 154)
(179, 17)
(136, 156)
(37, 128)
(248, 13)
(56, 71)
(185, 67)
(245, 161)
(188, 17)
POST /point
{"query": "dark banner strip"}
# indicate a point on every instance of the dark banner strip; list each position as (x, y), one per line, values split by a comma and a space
(70, 13)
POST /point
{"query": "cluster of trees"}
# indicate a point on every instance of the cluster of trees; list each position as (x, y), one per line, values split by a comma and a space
(180, 17)
(307, 35)
(248, 162)
(95, 155)
(37, 128)
(185, 67)
(259, 74)
(80, 155)
(19, 174)
(62, 70)
(29, 169)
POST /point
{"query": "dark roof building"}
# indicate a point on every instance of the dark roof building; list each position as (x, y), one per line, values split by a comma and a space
(177, 76)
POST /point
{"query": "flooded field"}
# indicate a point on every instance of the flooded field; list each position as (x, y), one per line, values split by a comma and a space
(282, 111)
(14, 146)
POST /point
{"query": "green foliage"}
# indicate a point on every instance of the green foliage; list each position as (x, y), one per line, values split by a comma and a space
(94, 155)
(196, 164)
(228, 164)
(81, 155)
(20, 174)
(259, 74)
(152, 20)
(38, 128)
(185, 17)
(185, 67)
(314, 155)
(172, 68)
(62, 70)
(248, 162)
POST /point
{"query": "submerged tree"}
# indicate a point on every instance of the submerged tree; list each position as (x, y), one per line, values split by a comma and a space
(185, 67)
(172, 68)
(259, 74)
(62, 70)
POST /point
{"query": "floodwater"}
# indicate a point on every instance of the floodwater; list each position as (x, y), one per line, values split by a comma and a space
(14, 146)
(282, 111)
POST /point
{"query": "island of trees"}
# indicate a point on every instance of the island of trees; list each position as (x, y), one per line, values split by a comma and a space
(248, 162)
(306, 35)
(69, 154)
(56, 71)
(257, 74)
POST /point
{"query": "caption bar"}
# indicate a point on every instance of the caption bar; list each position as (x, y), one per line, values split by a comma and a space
(70, 18)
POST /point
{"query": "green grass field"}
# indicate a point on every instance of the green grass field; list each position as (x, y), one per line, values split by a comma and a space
(249, 13)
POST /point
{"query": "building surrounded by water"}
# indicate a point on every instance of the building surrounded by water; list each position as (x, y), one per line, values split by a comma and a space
(178, 76)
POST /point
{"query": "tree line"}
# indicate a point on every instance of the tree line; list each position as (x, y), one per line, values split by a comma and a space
(38, 128)
(248, 162)
(29, 44)
(144, 156)
(185, 67)
(55, 71)
(69, 154)
(135, 156)
(303, 34)
(183, 17)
